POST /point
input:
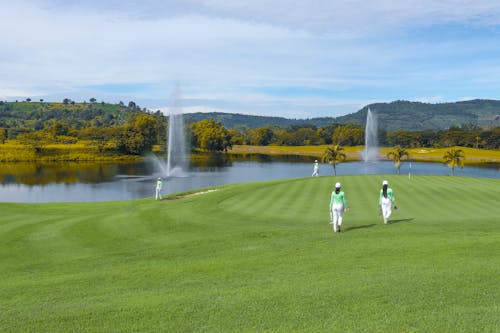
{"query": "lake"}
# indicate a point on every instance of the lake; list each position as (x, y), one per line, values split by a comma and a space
(79, 182)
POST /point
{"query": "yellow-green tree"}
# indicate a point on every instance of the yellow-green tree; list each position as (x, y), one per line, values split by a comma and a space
(396, 155)
(210, 135)
(138, 135)
(453, 158)
(348, 135)
(36, 140)
(262, 136)
(333, 155)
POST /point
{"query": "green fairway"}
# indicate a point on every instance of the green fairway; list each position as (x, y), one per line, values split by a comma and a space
(258, 257)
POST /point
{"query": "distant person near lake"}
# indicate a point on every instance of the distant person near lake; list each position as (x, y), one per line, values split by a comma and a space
(159, 186)
(315, 169)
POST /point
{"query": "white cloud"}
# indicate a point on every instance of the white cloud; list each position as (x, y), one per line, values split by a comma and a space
(93, 49)
(243, 55)
(318, 15)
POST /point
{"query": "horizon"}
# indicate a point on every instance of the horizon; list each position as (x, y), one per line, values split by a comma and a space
(251, 57)
(165, 110)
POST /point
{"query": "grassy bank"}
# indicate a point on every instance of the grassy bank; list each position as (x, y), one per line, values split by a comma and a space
(472, 155)
(13, 151)
(258, 257)
(86, 151)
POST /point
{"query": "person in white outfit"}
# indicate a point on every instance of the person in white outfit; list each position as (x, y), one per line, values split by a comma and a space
(316, 169)
(159, 186)
(386, 200)
(338, 204)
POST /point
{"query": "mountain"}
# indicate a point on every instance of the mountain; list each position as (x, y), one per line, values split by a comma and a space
(391, 116)
(413, 116)
(232, 120)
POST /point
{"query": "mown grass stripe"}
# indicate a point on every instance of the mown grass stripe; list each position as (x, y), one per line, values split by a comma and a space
(220, 262)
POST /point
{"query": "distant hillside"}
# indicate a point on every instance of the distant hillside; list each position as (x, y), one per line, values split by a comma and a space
(33, 116)
(425, 116)
(391, 116)
(232, 120)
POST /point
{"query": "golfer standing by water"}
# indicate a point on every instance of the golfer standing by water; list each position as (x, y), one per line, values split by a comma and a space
(315, 169)
(386, 200)
(338, 204)
(159, 186)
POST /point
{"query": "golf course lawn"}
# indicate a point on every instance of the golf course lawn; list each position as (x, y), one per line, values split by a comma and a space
(258, 257)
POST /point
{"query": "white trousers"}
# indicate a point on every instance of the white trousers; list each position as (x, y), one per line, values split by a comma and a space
(386, 209)
(336, 214)
(158, 193)
(315, 173)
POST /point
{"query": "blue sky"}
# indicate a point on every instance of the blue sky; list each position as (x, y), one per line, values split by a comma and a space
(296, 59)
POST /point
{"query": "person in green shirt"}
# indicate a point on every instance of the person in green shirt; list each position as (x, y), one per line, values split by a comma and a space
(338, 204)
(158, 187)
(386, 200)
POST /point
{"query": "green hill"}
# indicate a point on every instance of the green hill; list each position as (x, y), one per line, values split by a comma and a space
(258, 257)
(29, 116)
(425, 116)
(391, 116)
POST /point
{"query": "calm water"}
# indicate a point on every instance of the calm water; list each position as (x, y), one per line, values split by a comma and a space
(71, 182)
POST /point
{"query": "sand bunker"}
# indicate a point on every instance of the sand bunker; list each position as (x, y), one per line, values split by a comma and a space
(176, 197)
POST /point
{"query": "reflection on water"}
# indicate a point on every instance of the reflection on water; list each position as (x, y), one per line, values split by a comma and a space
(73, 181)
(205, 162)
(67, 173)
(209, 162)
(91, 172)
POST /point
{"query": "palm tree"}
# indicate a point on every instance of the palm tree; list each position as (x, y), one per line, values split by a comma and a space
(333, 155)
(396, 155)
(454, 157)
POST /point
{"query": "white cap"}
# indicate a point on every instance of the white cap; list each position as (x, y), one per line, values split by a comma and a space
(159, 178)
(385, 182)
(338, 185)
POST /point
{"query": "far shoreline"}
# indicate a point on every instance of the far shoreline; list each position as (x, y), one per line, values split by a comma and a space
(59, 153)
(473, 156)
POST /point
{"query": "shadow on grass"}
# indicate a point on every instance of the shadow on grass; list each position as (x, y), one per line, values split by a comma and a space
(360, 227)
(402, 220)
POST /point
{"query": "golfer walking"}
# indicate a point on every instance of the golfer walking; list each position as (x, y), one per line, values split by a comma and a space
(386, 200)
(315, 169)
(338, 204)
(159, 186)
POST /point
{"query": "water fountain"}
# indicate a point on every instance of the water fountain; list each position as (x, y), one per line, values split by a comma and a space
(177, 152)
(176, 140)
(370, 154)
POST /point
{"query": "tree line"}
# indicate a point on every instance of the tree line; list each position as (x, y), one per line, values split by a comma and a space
(142, 130)
(453, 157)
(352, 134)
(127, 129)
